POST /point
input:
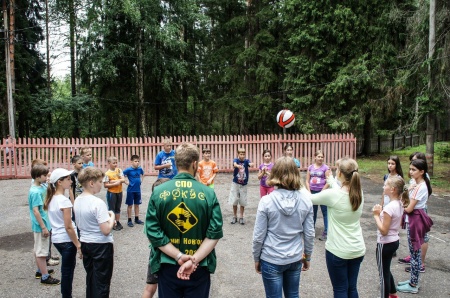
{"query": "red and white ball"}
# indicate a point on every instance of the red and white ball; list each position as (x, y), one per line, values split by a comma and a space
(285, 118)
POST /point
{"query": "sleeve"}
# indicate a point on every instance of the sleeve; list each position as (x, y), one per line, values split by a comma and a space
(141, 171)
(106, 178)
(325, 197)
(64, 203)
(126, 171)
(331, 181)
(101, 212)
(158, 160)
(309, 232)
(152, 226)
(214, 230)
(259, 231)
(121, 173)
(419, 192)
(36, 200)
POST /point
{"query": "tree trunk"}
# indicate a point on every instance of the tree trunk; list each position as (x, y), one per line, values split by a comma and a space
(431, 116)
(367, 150)
(76, 116)
(140, 85)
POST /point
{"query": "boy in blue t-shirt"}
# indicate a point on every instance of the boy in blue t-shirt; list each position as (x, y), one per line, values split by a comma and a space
(238, 192)
(135, 176)
(165, 161)
(40, 224)
(86, 156)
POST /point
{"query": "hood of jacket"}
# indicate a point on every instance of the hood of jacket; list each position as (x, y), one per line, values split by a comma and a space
(286, 201)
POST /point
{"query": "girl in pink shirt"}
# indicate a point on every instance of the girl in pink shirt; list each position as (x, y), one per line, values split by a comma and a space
(388, 219)
(264, 172)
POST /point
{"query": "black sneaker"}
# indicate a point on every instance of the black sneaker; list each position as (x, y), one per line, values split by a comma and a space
(119, 226)
(130, 224)
(39, 275)
(50, 281)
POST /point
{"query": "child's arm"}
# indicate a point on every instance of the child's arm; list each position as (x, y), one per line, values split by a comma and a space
(112, 183)
(39, 219)
(67, 215)
(71, 195)
(308, 176)
(261, 173)
(384, 225)
(106, 227)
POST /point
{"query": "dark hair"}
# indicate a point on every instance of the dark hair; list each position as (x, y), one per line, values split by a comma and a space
(418, 155)
(267, 151)
(39, 170)
(204, 150)
(285, 174)
(398, 166)
(287, 146)
(133, 157)
(422, 165)
(159, 182)
(75, 158)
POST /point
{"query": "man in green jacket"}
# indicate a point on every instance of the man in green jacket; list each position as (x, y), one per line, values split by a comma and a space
(184, 224)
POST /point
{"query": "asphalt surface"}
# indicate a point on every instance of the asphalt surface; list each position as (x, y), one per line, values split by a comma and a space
(235, 275)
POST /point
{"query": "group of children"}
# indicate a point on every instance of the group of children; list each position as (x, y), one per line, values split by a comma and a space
(403, 205)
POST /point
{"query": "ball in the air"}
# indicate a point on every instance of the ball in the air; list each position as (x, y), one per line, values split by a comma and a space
(285, 118)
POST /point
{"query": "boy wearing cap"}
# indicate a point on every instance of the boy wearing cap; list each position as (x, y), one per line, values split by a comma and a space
(207, 169)
(40, 225)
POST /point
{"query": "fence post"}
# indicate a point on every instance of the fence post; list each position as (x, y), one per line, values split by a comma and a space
(393, 142)
(379, 144)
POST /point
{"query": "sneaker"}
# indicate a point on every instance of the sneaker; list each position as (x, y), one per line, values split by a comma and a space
(139, 222)
(130, 224)
(50, 281)
(234, 220)
(55, 258)
(39, 275)
(241, 221)
(323, 237)
(405, 260)
(401, 283)
(119, 226)
(406, 288)
(422, 269)
(115, 228)
(52, 262)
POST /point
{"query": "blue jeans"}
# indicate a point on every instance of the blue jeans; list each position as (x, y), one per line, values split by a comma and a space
(324, 213)
(281, 278)
(68, 253)
(343, 275)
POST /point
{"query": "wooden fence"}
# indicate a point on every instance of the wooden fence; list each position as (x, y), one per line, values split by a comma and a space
(57, 152)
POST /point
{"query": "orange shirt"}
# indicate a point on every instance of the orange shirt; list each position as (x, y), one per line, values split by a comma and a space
(206, 169)
(111, 175)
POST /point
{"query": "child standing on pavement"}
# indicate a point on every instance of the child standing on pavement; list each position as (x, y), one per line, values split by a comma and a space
(40, 224)
(315, 183)
(135, 177)
(388, 219)
(394, 170)
(165, 161)
(113, 183)
(76, 188)
(264, 172)
(95, 223)
(64, 235)
(238, 192)
(207, 169)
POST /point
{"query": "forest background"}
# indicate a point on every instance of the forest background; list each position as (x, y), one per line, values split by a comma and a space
(219, 67)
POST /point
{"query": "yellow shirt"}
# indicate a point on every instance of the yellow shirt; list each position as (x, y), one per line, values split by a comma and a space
(111, 175)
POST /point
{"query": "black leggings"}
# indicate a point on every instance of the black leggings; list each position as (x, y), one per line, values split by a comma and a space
(387, 284)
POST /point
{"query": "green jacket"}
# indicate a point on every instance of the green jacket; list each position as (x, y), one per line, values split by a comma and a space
(185, 212)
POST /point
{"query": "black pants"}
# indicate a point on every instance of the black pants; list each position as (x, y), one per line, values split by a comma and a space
(170, 286)
(385, 252)
(98, 261)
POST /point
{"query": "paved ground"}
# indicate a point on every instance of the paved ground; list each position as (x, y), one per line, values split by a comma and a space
(235, 275)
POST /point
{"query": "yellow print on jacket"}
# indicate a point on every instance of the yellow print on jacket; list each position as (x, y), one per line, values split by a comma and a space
(182, 218)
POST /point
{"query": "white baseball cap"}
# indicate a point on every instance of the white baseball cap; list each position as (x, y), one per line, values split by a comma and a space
(58, 174)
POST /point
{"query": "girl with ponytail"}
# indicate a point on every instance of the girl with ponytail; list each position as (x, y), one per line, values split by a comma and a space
(64, 235)
(345, 248)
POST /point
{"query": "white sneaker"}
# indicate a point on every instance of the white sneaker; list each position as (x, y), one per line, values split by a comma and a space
(52, 262)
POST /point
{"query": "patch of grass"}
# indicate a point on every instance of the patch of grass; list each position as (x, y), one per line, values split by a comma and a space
(375, 167)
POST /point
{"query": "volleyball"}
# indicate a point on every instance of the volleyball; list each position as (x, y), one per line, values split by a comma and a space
(285, 118)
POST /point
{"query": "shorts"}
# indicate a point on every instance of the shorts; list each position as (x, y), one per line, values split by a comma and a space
(41, 244)
(238, 195)
(114, 201)
(133, 198)
(152, 278)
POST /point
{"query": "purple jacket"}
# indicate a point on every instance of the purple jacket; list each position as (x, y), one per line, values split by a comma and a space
(419, 224)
